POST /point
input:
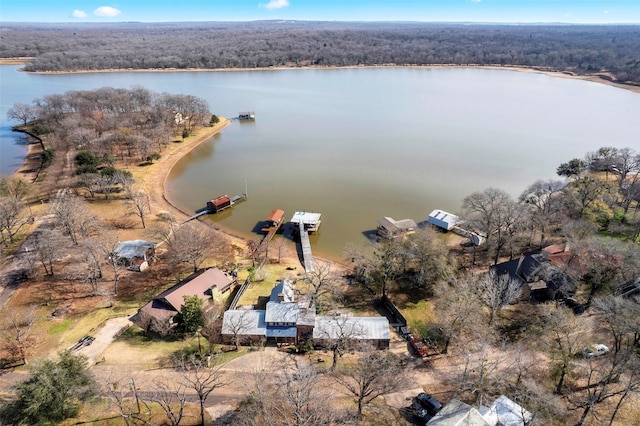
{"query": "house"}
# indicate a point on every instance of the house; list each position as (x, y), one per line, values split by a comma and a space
(457, 413)
(505, 412)
(374, 330)
(443, 220)
(279, 319)
(286, 320)
(539, 278)
(136, 254)
(208, 285)
(502, 412)
(391, 228)
(249, 324)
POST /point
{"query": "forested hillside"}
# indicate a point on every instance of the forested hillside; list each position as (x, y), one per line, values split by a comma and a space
(581, 49)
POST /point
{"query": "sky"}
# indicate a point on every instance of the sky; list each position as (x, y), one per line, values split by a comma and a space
(511, 11)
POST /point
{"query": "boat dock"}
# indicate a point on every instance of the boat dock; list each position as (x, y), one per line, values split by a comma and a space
(307, 256)
(274, 221)
(306, 222)
(247, 115)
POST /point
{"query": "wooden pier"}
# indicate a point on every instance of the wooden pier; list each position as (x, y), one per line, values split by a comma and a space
(307, 256)
(274, 221)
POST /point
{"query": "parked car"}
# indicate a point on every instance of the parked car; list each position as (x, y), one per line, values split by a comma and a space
(429, 403)
(419, 412)
(595, 350)
(418, 346)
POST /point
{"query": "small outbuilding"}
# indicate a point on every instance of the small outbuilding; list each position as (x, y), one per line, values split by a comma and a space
(136, 254)
(443, 220)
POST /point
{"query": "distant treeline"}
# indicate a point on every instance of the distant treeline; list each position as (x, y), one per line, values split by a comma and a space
(581, 49)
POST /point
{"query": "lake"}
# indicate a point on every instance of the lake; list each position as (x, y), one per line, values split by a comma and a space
(359, 144)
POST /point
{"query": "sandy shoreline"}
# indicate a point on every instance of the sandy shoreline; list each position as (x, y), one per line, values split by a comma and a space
(603, 78)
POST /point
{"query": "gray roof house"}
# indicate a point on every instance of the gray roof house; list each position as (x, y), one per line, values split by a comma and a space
(135, 254)
(362, 329)
(288, 321)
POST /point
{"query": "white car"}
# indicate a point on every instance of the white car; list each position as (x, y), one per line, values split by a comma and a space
(595, 350)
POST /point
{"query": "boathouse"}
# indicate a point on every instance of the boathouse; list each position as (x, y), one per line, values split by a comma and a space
(443, 220)
(218, 204)
(274, 219)
(391, 228)
(310, 221)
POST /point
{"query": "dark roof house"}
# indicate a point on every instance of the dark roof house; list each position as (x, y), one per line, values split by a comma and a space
(539, 278)
(158, 314)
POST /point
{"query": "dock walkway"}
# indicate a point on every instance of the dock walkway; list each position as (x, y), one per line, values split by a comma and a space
(307, 257)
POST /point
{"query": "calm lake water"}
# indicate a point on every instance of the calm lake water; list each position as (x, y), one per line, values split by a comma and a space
(360, 144)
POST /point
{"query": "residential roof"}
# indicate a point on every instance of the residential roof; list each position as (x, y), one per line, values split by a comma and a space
(199, 285)
(281, 312)
(364, 328)
(282, 331)
(253, 322)
(284, 288)
(457, 413)
(133, 249)
(306, 316)
(506, 412)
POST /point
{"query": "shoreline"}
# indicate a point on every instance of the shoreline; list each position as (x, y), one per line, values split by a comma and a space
(603, 78)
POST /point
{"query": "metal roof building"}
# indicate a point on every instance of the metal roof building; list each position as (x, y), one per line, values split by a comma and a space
(443, 220)
(252, 320)
(374, 329)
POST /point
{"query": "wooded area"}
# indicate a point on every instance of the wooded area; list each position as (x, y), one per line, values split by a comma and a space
(581, 49)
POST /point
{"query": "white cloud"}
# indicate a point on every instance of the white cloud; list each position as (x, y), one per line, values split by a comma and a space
(79, 14)
(277, 4)
(106, 11)
(476, 1)
(606, 12)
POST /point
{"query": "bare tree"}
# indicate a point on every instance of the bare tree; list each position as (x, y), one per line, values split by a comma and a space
(198, 376)
(93, 257)
(290, 393)
(459, 311)
(491, 213)
(17, 335)
(544, 201)
(21, 112)
(280, 245)
(375, 373)
(498, 291)
(10, 217)
(563, 337)
(337, 333)
(319, 282)
(125, 397)
(48, 243)
(172, 399)
(237, 324)
(191, 244)
(74, 216)
(138, 202)
(108, 245)
(481, 376)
